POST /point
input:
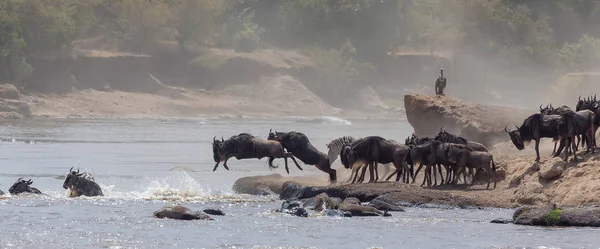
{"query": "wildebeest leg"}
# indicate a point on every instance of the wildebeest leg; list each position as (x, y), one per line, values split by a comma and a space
(363, 172)
(441, 176)
(417, 173)
(554, 150)
(537, 149)
(216, 165)
(290, 155)
(572, 140)
(285, 160)
(374, 172)
(225, 164)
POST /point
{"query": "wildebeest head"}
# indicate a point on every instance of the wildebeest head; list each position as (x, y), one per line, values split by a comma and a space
(273, 135)
(546, 110)
(20, 186)
(71, 178)
(515, 137)
(217, 148)
(347, 156)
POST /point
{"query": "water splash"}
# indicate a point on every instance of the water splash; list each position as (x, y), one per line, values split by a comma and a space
(325, 120)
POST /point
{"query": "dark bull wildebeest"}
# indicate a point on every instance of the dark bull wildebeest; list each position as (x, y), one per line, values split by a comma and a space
(446, 137)
(536, 127)
(465, 158)
(80, 185)
(246, 146)
(298, 144)
(373, 150)
(22, 186)
(578, 123)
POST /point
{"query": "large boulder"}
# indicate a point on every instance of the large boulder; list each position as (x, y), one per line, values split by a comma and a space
(476, 122)
(14, 109)
(8, 91)
(555, 216)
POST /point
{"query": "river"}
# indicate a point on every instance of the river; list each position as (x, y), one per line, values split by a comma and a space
(136, 162)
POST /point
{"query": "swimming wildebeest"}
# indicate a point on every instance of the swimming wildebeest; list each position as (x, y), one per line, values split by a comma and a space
(246, 146)
(299, 145)
(22, 186)
(375, 149)
(81, 185)
(465, 158)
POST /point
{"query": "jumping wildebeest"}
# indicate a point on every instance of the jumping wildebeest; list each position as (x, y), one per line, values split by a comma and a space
(465, 157)
(299, 145)
(374, 150)
(80, 185)
(535, 127)
(22, 186)
(246, 146)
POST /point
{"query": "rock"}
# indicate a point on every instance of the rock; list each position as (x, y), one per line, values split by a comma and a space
(293, 190)
(293, 207)
(8, 91)
(336, 213)
(502, 221)
(555, 216)
(551, 171)
(476, 122)
(268, 184)
(323, 201)
(14, 109)
(351, 201)
(180, 213)
(213, 211)
(263, 191)
(386, 206)
(358, 210)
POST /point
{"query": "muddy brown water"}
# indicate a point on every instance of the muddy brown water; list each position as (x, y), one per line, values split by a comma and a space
(144, 164)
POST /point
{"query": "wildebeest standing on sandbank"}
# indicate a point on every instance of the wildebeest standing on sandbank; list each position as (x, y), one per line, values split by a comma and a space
(246, 146)
(298, 144)
(22, 186)
(536, 127)
(80, 185)
(376, 149)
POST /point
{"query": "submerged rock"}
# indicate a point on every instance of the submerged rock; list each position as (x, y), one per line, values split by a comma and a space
(293, 207)
(386, 206)
(555, 216)
(502, 221)
(213, 211)
(180, 213)
(336, 213)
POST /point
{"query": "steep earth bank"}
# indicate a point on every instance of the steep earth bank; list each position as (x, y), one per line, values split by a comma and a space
(169, 83)
(481, 123)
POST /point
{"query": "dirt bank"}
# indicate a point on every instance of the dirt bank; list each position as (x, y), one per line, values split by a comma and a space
(481, 123)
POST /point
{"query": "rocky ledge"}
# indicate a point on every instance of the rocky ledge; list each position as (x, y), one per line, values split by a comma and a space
(11, 107)
(481, 123)
(555, 216)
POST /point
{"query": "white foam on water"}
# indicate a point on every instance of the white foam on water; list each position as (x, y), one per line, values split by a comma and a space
(325, 120)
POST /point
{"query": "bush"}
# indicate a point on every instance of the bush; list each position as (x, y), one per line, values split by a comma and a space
(242, 32)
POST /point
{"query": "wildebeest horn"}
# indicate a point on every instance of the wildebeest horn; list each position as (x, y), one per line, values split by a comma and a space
(579, 97)
(222, 140)
(20, 178)
(71, 170)
(517, 127)
(214, 138)
(77, 171)
(270, 130)
(506, 129)
(29, 181)
(540, 107)
(551, 106)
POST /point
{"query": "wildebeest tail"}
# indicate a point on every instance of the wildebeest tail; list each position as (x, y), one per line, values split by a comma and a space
(493, 165)
(271, 163)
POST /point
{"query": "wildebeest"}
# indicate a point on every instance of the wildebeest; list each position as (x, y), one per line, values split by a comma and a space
(578, 123)
(246, 146)
(299, 145)
(22, 186)
(80, 185)
(465, 157)
(550, 110)
(335, 148)
(376, 149)
(535, 127)
(446, 137)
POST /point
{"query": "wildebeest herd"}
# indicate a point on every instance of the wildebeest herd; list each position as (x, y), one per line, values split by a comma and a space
(563, 124)
(78, 184)
(454, 154)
